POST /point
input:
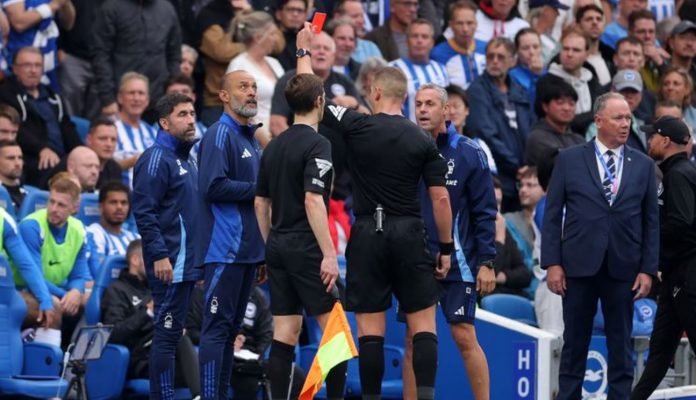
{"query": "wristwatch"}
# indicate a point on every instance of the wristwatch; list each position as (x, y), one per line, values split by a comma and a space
(303, 52)
(488, 263)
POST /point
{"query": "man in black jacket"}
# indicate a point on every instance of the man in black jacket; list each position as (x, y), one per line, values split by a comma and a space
(677, 299)
(45, 133)
(127, 305)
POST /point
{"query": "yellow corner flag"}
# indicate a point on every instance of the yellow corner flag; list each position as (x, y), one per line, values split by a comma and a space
(336, 346)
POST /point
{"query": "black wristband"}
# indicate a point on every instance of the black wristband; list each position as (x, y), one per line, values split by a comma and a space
(446, 248)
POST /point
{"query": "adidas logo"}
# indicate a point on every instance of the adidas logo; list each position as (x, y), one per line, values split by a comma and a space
(460, 311)
(246, 153)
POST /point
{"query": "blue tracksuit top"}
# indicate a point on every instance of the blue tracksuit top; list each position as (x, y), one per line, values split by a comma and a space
(472, 199)
(229, 159)
(166, 205)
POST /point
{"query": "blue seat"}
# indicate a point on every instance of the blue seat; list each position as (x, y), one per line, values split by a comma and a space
(6, 202)
(31, 369)
(34, 200)
(510, 306)
(81, 125)
(89, 208)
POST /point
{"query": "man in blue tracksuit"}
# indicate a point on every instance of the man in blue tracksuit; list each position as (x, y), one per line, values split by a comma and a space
(230, 242)
(166, 205)
(474, 209)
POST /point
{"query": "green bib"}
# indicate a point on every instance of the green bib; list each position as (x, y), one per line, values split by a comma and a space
(57, 260)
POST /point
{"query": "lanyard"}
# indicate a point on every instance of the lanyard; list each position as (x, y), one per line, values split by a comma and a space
(608, 175)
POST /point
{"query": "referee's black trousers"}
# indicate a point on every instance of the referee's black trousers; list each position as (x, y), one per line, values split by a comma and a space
(676, 313)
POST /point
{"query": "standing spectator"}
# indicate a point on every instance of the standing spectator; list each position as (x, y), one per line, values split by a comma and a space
(603, 196)
(642, 25)
(391, 37)
(591, 21)
(618, 28)
(83, 163)
(33, 23)
(11, 168)
(463, 55)
(500, 115)
(9, 123)
(132, 35)
(353, 9)
(102, 137)
(682, 43)
(497, 18)
(291, 15)
(417, 66)
(189, 57)
(677, 86)
(344, 34)
(629, 54)
(46, 133)
(530, 61)
(108, 236)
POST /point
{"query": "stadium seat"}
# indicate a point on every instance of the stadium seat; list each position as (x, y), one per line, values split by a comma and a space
(31, 369)
(81, 125)
(89, 208)
(6, 202)
(34, 200)
(510, 306)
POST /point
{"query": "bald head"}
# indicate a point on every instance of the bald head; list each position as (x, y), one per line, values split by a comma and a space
(238, 94)
(83, 162)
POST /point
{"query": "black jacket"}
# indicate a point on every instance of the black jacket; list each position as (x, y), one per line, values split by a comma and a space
(124, 305)
(543, 145)
(508, 260)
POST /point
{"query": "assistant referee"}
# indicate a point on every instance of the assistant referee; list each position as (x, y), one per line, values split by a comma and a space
(387, 252)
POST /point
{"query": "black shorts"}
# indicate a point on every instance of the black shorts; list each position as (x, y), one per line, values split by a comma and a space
(396, 260)
(293, 261)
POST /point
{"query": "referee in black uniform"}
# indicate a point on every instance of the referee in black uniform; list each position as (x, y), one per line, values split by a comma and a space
(294, 182)
(388, 155)
(676, 306)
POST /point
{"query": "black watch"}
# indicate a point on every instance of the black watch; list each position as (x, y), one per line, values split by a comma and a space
(488, 263)
(302, 52)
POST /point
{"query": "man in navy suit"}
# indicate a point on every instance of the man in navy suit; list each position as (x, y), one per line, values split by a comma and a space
(600, 241)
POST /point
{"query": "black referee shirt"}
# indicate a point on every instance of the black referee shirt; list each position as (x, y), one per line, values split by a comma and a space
(387, 155)
(297, 161)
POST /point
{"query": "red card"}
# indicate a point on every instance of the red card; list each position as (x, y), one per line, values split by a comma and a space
(318, 21)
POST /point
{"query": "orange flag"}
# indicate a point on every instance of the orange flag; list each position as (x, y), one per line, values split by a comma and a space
(336, 346)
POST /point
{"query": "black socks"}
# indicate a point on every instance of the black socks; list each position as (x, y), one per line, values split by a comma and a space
(279, 369)
(425, 364)
(371, 365)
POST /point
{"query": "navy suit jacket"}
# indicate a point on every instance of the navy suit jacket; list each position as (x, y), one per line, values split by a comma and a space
(626, 233)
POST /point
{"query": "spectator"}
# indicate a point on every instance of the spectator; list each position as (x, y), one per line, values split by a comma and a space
(642, 25)
(677, 86)
(366, 74)
(344, 34)
(591, 21)
(217, 50)
(11, 168)
(134, 134)
(463, 55)
(133, 35)
(682, 43)
(668, 107)
(101, 138)
(128, 306)
(56, 242)
(619, 28)
(555, 108)
(45, 133)
(353, 9)
(417, 66)
(496, 18)
(542, 17)
(291, 16)
(259, 34)
(500, 115)
(511, 274)
(391, 37)
(108, 236)
(629, 54)
(530, 61)
(665, 27)
(33, 23)
(189, 56)
(83, 163)
(9, 123)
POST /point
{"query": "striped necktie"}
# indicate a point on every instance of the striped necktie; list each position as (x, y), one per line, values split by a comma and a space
(610, 176)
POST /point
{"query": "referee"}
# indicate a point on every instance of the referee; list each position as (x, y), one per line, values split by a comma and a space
(387, 253)
(676, 307)
(294, 183)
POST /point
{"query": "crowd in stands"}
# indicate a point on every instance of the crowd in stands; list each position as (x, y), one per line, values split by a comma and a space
(521, 79)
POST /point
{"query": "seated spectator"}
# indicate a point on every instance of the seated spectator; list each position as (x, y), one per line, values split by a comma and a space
(500, 115)
(291, 16)
(542, 18)
(9, 123)
(417, 65)
(619, 28)
(643, 26)
(463, 56)
(511, 274)
(56, 242)
(521, 226)
(390, 37)
(102, 138)
(33, 23)
(530, 61)
(127, 305)
(591, 21)
(257, 31)
(11, 168)
(189, 56)
(344, 34)
(353, 9)
(677, 86)
(555, 108)
(496, 18)
(108, 236)
(682, 44)
(46, 133)
(83, 163)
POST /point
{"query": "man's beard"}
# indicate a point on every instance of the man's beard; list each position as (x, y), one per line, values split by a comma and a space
(245, 111)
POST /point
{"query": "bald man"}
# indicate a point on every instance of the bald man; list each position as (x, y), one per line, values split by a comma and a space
(83, 162)
(230, 243)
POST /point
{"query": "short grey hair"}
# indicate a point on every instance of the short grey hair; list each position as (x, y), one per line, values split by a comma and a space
(442, 93)
(188, 49)
(368, 66)
(601, 101)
